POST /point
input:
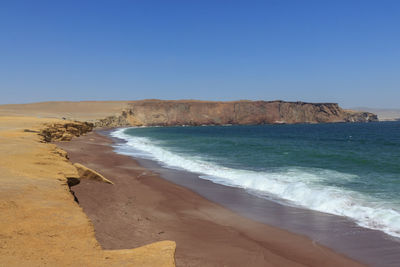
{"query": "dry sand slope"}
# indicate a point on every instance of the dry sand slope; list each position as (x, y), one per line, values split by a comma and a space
(83, 111)
(40, 224)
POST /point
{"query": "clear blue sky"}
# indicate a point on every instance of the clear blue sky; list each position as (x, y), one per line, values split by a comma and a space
(319, 51)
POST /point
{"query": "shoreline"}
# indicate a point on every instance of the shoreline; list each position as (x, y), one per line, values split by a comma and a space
(338, 233)
(143, 207)
(342, 234)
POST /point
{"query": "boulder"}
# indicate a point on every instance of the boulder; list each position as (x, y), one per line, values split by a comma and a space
(87, 173)
(65, 131)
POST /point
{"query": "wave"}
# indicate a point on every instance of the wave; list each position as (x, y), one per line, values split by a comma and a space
(296, 185)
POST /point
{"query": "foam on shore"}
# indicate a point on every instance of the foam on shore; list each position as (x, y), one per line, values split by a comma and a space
(291, 185)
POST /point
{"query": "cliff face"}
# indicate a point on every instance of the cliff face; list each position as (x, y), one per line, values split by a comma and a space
(65, 131)
(169, 113)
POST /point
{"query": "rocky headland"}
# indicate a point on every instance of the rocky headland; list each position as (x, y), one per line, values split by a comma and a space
(189, 112)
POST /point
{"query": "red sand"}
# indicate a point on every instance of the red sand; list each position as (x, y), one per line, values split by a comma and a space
(141, 208)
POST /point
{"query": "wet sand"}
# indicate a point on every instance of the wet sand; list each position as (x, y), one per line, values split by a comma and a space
(368, 246)
(141, 207)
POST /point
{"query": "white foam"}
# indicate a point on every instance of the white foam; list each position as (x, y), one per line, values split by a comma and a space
(296, 185)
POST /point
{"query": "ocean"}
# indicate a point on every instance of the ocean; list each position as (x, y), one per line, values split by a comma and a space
(345, 169)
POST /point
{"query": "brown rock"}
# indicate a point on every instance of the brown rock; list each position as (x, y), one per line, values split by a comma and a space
(65, 137)
(189, 112)
(87, 173)
(65, 131)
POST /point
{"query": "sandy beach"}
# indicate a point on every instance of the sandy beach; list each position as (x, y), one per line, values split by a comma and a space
(141, 207)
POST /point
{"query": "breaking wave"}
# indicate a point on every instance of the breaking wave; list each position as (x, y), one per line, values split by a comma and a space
(295, 185)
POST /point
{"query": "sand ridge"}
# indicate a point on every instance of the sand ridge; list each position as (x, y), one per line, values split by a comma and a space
(82, 110)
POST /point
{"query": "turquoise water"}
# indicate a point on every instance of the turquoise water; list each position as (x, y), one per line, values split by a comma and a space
(351, 170)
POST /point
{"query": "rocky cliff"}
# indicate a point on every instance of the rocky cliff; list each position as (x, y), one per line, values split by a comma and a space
(65, 131)
(188, 112)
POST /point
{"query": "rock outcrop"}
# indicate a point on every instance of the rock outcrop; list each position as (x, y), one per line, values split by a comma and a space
(65, 131)
(360, 116)
(114, 121)
(189, 112)
(87, 173)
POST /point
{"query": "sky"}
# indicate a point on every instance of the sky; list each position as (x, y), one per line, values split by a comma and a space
(346, 52)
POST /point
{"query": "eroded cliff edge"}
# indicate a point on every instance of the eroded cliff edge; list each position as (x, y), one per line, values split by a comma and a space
(40, 224)
(189, 112)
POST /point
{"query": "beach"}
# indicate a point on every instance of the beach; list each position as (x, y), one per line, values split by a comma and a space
(148, 211)
(141, 207)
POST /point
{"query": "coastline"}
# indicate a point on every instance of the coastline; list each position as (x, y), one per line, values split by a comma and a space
(342, 234)
(142, 207)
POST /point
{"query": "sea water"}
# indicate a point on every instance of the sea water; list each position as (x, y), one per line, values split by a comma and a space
(346, 169)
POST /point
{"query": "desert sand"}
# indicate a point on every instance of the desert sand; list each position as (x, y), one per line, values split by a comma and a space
(83, 111)
(40, 223)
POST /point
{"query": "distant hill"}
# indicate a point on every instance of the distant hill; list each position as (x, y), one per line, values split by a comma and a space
(383, 114)
(188, 112)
